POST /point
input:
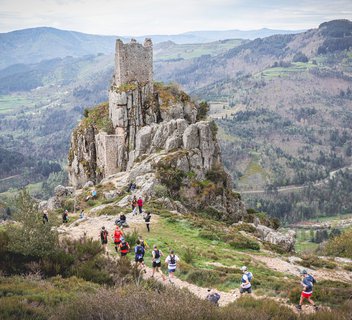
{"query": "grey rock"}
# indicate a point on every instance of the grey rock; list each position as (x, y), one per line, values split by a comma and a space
(88, 184)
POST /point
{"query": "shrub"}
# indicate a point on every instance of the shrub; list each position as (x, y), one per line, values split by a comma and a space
(211, 235)
(68, 204)
(188, 255)
(161, 191)
(203, 277)
(91, 202)
(108, 210)
(31, 237)
(132, 237)
(203, 110)
(340, 245)
(312, 260)
(245, 227)
(241, 242)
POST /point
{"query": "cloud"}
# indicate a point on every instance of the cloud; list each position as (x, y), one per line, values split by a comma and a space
(137, 17)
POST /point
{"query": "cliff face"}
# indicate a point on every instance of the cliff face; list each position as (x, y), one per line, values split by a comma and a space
(153, 135)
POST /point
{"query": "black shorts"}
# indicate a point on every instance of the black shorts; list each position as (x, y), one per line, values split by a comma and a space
(156, 264)
(104, 241)
(139, 260)
(117, 243)
(248, 290)
(123, 254)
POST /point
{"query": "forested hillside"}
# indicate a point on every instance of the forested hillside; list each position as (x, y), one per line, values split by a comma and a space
(282, 103)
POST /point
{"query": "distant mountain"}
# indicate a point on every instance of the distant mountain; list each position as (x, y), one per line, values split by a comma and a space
(43, 43)
(36, 44)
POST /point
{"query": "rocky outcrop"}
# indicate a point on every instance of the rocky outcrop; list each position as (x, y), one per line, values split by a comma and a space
(151, 134)
(55, 202)
(285, 241)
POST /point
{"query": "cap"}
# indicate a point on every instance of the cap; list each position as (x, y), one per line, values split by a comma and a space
(304, 271)
(244, 268)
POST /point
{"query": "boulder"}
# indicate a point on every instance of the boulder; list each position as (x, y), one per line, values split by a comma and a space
(110, 195)
(88, 184)
(285, 241)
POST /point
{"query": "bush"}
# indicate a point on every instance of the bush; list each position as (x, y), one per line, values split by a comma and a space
(203, 277)
(31, 237)
(312, 260)
(203, 110)
(341, 245)
(241, 242)
(211, 235)
(68, 204)
(245, 227)
(188, 255)
(132, 237)
(108, 210)
(161, 191)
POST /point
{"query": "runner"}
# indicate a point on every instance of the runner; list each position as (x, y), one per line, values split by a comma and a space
(140, 205)
(134, 205)
(156, 260)
(65, 217)
(117, 237)
(246, 281)
(45, 217)
(104, 238)
(139, 255)
(124, 247)
(213, 297)
(147, 220)
(307, 282)
(171, 261)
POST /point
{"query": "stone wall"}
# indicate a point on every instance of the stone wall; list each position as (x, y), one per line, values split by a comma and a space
(133, 62)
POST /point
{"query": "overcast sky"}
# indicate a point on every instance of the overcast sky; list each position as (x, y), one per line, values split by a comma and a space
(141, 17)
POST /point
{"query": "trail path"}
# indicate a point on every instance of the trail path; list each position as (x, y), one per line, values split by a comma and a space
(91, 226)
(289, 267)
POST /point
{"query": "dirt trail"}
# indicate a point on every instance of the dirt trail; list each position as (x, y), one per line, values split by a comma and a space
(286, 267)
(91, 226)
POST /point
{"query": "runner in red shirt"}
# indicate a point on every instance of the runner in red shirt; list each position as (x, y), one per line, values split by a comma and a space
(140, 205)
(118, 234)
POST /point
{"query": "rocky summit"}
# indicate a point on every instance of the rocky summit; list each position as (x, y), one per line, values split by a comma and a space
(154, 135)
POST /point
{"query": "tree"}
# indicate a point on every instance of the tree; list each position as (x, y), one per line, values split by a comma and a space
(30, 236)
(203, 109)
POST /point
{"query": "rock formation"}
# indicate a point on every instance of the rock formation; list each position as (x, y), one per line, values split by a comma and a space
(152, 134)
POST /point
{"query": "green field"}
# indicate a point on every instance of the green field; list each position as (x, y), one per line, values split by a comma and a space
(9, 103)
(296, 67)
(189, 51)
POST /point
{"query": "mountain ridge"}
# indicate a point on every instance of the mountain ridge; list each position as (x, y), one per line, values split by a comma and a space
(35, 44)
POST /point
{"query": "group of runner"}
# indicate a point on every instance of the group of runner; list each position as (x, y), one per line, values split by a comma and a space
(123, 247)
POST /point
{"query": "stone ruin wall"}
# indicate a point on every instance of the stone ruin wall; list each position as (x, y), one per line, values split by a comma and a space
(133, 62)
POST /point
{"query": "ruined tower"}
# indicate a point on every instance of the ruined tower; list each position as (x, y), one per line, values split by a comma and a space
(133, 63)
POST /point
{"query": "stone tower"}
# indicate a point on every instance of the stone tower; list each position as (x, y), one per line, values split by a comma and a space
(133, 62)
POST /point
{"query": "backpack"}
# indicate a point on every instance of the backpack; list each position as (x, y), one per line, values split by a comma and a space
(214, 298)
(173, 260)
(156, 254)
(104, 234)
(124, 246)
(311, 279)
(249, 276)
(140, 250)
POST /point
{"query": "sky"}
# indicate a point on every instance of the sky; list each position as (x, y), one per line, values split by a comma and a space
(142, 17)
